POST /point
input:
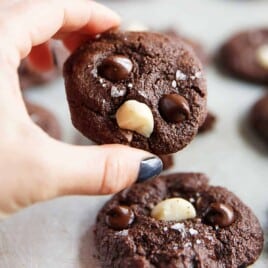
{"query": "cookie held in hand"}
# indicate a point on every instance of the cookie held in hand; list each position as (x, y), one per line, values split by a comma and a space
(145, 90)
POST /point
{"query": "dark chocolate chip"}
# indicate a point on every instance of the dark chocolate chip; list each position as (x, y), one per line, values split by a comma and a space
(174, 108)
(115, 68)
(120, 217)
(220, 214)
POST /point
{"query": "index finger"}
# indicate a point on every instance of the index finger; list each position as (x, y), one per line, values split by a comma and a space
(32, 22)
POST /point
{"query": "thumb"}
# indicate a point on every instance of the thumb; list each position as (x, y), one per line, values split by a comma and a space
(97, 170)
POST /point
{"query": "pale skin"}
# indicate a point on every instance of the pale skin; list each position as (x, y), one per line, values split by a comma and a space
(33, 166)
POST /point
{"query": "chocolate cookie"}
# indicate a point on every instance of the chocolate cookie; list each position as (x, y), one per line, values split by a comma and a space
(29, 77)
(177, 221)
(208, 124)
(145, 90)
(259, 117)
(44, 119)
(245, 55)
(167, 160)
(195, 45)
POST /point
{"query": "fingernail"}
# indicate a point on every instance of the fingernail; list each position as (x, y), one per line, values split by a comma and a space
(149, 168)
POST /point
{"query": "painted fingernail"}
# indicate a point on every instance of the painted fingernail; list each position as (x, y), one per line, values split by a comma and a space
(149, 168)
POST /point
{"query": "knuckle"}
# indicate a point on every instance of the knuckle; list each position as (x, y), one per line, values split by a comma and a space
(115, 176)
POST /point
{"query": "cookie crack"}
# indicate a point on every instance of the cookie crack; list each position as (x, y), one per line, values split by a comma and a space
(198, 91)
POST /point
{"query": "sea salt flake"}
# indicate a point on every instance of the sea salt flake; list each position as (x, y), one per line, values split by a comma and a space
(165, 229)
(198, 75)
(130, 85)
(180, 75)
(174, 84)
(101, 80)
(192, 200)
(198, 241)
(188, 244)
(122, 233)
(192, 231)
(179, 227)
(142, 93)
(94, 72)
(115, 92)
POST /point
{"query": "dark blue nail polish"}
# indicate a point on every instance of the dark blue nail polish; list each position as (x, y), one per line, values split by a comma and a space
(149, 168)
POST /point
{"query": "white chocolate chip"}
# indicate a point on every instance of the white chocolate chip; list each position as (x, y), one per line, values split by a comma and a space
(173, 209)
(136, 116)
(262, 56)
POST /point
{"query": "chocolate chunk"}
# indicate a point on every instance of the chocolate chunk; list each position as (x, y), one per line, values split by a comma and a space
(115, 68)
(220, 214)
(120, 217)
(174, 108)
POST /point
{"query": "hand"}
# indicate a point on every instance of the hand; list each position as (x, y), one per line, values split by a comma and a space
(33, 166)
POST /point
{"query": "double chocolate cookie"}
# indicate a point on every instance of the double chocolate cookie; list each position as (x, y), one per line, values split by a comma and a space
(245, 55)
(259, 117)
(195, 45)
(44, 119)
(177, 221)
(29, 77)
(145, 90)
(208, 124)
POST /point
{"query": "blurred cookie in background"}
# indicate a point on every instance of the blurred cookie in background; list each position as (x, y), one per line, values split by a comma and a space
(45, 119)
(168, 161)
(208, 124)
(29, 77)
(259, 117)
(245, 55)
